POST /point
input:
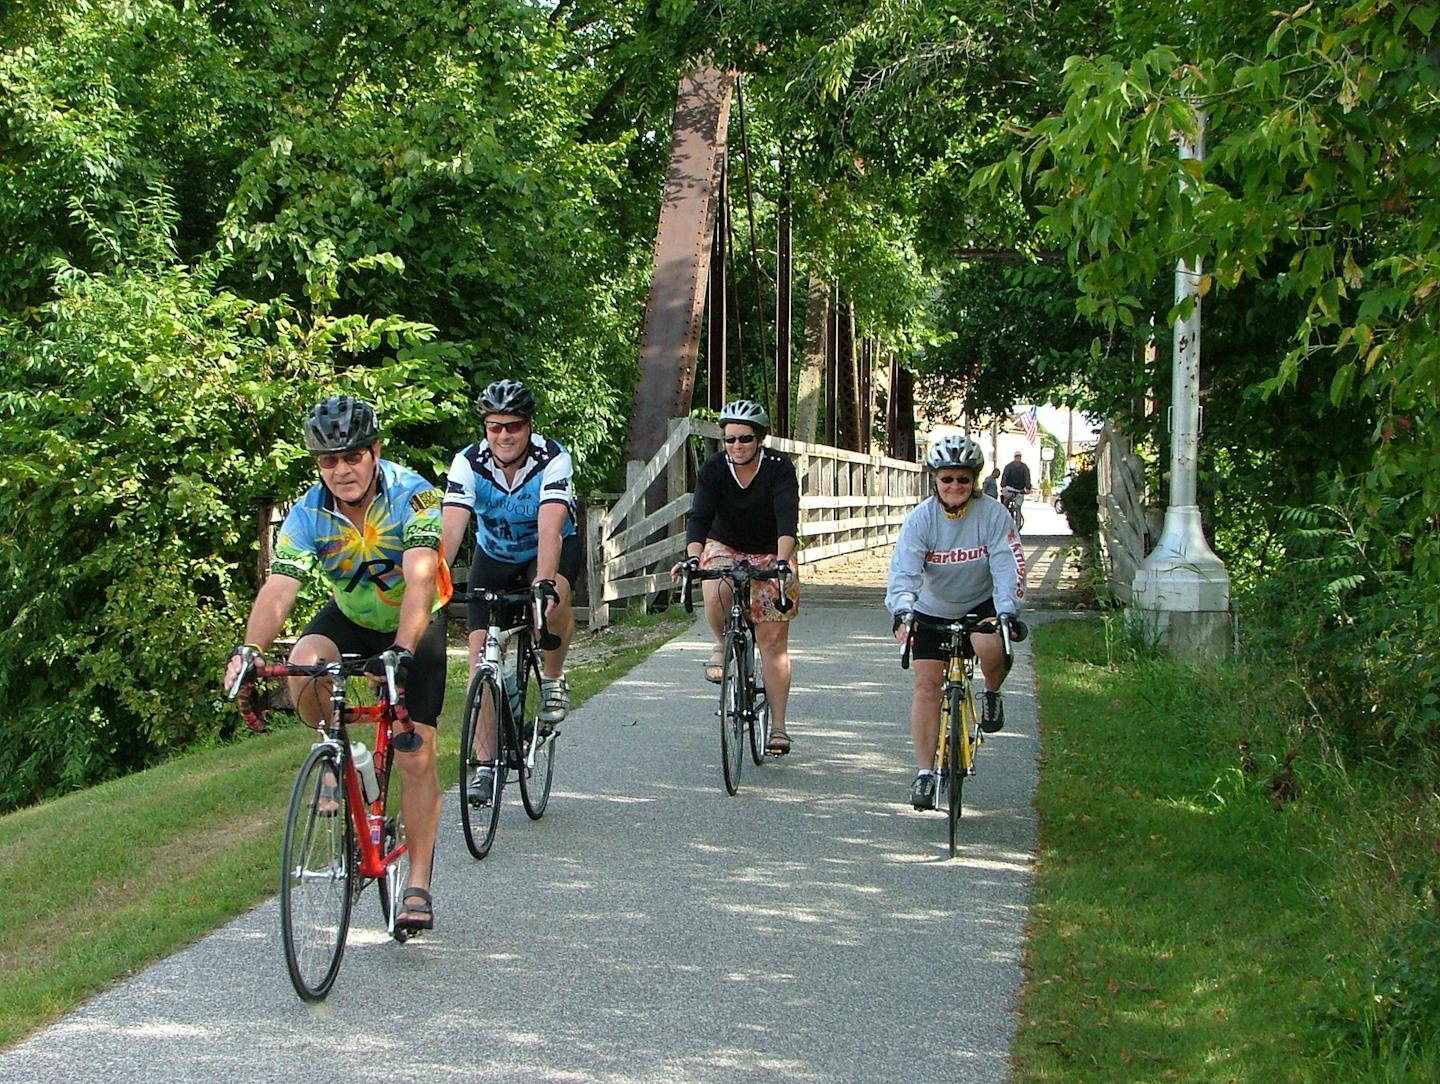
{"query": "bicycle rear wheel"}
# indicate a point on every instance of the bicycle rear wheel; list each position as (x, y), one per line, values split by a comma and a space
(317, 874)
(733, 697)
(535, 781)
(480, 806)
(955, 760)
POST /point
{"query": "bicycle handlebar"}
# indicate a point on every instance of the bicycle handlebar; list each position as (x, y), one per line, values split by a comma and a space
(738, 573)
(1013, 628)
(532, 596)
(243, 691)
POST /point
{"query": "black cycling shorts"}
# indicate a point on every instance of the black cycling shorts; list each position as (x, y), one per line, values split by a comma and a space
(486, 572)
(929, 643)
(425, 686)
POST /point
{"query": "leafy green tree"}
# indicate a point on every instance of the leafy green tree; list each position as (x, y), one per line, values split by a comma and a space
(145, 420)
(1320, 177)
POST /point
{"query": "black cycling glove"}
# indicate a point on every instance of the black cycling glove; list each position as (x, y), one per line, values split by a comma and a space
(376, 666)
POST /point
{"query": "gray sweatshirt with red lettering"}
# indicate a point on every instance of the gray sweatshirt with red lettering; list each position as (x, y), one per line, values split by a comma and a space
(946, 565)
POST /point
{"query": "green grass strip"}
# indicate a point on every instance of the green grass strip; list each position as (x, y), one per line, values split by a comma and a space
(1193, 897)
(116, 877)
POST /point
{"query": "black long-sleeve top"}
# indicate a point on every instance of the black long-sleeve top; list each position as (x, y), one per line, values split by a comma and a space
(750, 519)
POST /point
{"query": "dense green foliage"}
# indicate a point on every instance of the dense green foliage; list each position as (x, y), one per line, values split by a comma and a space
(216, 213)
(1081, 503)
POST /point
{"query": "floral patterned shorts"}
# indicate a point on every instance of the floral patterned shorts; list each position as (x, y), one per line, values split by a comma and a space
(764, 594)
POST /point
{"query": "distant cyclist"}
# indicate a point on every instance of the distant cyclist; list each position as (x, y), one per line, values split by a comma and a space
(747, 506)
(958, 553)
(519, 487)
(371, 529)
(1015, 484)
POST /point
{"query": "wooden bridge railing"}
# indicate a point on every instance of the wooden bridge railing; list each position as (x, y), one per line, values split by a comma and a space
(1124, 532)
(849, 502)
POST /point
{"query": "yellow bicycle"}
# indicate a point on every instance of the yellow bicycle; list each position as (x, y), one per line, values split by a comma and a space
(960, 735)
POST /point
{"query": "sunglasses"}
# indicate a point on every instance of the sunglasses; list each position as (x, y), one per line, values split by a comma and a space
(506, 427)
(954, 480)
(744, 438)
(329, 460)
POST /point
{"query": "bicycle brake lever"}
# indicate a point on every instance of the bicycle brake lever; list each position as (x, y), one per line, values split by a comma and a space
(389, 658)
(248, 655)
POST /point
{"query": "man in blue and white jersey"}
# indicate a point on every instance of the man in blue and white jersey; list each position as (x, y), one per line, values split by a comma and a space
(518, 485)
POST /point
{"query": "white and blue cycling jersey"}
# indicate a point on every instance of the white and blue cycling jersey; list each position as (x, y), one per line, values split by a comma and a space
(507, 514)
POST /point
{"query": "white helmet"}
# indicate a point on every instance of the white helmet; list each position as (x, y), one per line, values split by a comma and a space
(746, 412)
(956, 451)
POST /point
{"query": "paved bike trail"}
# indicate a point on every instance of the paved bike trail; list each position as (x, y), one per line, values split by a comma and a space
(650, 927)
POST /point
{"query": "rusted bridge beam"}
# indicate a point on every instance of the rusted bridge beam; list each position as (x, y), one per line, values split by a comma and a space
(676, 305)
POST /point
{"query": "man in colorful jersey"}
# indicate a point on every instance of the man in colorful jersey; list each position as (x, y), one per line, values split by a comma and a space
(747, 507)
(958, 553)
(372, 529)
(518, 485)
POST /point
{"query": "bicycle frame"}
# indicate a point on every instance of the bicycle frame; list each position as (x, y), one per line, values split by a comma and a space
(334, 731)
(492, 664)
(959, 677)
(747, 703)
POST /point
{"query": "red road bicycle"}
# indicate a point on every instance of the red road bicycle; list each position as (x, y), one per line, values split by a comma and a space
(341, 831)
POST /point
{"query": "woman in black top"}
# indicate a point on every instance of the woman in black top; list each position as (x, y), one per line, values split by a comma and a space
(747, 505)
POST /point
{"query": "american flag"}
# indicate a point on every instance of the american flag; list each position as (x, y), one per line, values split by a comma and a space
(1032, 425)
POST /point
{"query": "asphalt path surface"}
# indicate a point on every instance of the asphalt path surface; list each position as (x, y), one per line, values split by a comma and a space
(650, 927)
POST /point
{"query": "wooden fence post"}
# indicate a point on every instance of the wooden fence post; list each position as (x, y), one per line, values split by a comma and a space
(597, 528)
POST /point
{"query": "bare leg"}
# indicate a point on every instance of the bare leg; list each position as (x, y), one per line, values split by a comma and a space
(991, 653)
(773, 638)
(925, 710)
(420, 803)
(561, 621)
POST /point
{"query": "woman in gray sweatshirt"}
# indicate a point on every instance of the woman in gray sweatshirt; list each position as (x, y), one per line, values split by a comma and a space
(958, 553)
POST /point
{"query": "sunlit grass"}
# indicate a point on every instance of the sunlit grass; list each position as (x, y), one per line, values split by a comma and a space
(1185, 917)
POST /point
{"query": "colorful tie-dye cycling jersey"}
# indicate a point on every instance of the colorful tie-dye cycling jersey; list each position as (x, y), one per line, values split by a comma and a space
(364, 568)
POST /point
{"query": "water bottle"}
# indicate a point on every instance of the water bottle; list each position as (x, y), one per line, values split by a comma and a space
(365, 766)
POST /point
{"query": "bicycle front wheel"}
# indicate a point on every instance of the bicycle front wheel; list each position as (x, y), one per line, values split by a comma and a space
(317, 874)
(759, 718)
(733, 704)
(536, 776)
(480, 798)
(955, 758)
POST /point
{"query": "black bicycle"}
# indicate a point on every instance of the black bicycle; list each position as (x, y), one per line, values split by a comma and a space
(504, 701)
(960, 735)
(743, 704)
